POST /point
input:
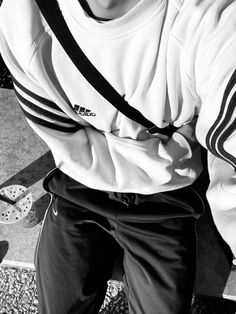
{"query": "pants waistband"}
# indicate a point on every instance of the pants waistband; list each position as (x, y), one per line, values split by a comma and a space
(187, 199)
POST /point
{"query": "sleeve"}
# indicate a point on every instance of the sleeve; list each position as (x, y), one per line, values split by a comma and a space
(215, 75)
(37, 106)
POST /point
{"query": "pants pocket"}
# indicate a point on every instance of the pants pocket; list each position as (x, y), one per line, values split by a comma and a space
(48, 177)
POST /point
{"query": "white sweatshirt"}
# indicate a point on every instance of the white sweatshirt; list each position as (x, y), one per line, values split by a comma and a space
(172, 60)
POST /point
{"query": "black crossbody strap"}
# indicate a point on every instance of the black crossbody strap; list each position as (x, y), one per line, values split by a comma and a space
(54, 18)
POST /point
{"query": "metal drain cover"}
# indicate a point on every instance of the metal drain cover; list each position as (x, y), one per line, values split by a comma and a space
(13, 213)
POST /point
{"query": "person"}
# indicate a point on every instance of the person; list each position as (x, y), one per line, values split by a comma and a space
(117, 189)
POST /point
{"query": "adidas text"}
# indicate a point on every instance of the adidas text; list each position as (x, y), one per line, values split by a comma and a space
(82, 111)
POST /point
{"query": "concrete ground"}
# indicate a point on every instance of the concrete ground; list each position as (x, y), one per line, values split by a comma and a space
(24, 160)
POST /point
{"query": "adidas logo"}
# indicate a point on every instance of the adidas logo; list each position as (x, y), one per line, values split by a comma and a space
(82, 111)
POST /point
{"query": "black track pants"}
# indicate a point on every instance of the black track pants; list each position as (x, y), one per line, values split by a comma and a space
(85, 229)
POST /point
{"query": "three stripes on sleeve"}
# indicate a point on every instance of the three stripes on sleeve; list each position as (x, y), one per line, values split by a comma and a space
(225, 124)
(43, 111)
